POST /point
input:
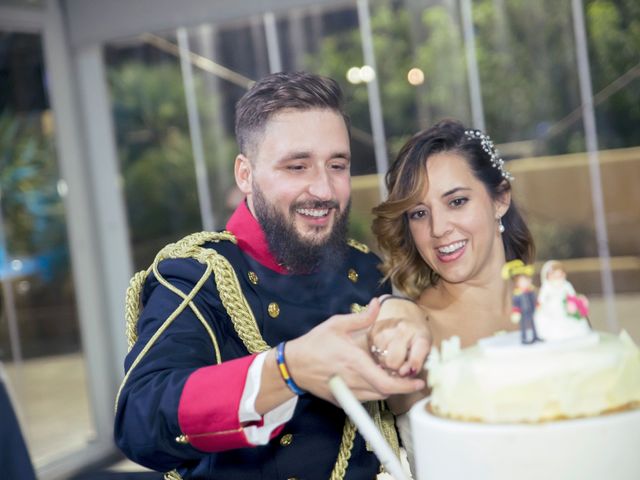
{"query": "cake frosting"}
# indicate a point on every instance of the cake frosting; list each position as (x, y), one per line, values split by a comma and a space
(555, 400)
(501, 381)
(557, 410)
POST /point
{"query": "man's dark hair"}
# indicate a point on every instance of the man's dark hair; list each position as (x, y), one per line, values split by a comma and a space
(279, 91)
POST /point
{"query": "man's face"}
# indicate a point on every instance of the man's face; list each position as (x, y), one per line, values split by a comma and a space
(298, 180)
(297, 253)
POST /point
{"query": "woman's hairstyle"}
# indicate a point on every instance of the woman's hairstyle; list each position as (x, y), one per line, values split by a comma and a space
(406, 183)
(280, 91)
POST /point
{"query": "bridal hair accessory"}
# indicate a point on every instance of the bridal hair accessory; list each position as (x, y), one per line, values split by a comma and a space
(487, 145)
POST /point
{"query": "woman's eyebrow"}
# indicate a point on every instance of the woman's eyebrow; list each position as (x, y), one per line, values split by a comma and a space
(454, 190)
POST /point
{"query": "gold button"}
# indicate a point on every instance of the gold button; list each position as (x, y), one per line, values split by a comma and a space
(357, 308)
(286, 440)
(353, 275)
(253, 278)
(273, 309)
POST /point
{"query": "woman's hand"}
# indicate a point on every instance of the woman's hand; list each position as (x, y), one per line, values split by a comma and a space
(400, 338)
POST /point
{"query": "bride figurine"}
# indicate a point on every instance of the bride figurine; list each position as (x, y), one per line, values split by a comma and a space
(561, 313)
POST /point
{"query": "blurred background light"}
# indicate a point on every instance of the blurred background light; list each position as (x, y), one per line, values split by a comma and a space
(415, 76)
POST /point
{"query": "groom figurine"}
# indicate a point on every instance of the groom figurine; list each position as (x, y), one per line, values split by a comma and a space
(524, 300)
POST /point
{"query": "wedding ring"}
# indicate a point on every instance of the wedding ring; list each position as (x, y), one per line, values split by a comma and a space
(378, 352)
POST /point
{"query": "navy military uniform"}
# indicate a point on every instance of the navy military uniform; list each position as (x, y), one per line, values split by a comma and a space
(14, 456)
(177, 408)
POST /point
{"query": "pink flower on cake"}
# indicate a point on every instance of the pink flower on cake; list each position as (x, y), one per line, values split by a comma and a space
(577, 306)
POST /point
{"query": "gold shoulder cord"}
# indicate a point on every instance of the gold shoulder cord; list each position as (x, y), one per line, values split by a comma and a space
(358, 245)
(242, 317)
(188, 247)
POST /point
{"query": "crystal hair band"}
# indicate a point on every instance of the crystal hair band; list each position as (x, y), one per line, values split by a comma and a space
(487, 145)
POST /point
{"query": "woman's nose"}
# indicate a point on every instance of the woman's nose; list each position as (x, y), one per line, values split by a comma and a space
(440, 225)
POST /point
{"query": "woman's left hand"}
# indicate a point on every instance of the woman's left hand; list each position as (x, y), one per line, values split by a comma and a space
(400, 338)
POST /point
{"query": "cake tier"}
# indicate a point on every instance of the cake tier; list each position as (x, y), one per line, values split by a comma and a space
(594, 448)
(501, 381)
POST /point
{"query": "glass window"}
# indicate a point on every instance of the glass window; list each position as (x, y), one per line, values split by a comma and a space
(39, 333)
(527, 56)
(507, 66)
(154, 136)
(513, 66)
(327, 41)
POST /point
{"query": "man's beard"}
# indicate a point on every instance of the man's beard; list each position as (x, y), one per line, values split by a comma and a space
(297, 254)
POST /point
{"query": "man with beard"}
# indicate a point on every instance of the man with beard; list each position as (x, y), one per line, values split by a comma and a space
(234, 335)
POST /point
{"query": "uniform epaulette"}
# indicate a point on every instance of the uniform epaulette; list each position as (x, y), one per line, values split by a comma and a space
(226, 282)
(187, 247)
(358, 245)
(199, 238)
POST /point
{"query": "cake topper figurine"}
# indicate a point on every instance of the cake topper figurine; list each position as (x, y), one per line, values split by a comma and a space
(524, 300)
(561, 313)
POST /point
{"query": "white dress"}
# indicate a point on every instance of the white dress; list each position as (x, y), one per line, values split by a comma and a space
(553, 321)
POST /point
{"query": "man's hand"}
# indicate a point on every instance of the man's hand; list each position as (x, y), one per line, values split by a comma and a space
(400, 339)
(333, 348)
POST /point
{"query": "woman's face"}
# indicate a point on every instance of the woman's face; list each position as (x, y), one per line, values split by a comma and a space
(454, 226)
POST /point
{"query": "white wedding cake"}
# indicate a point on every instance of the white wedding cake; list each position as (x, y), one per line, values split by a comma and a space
(566, 408)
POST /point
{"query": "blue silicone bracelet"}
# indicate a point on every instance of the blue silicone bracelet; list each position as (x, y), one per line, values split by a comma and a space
(284, 371)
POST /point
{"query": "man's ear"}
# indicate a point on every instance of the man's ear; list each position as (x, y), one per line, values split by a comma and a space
(503, 202)
(244, 174)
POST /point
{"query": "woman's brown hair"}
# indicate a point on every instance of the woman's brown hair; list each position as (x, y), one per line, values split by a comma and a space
(406, 181)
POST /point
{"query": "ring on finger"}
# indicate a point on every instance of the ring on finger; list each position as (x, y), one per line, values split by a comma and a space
(379, 352)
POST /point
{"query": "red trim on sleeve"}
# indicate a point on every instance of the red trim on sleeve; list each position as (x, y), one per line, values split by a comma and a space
(209, 405)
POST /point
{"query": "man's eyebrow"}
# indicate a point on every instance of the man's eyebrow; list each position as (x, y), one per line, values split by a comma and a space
(296, 155)
(454, 190)
(345, 155)
(302, 154)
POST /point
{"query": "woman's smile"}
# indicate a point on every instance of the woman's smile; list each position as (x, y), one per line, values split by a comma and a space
(452, 251)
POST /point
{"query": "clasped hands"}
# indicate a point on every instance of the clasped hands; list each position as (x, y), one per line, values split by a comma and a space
(378, 352)
(400, 339)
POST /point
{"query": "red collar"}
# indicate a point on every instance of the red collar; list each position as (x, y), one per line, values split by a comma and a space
(250, 236)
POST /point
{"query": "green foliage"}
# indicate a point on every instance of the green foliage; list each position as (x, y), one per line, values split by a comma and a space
(32, 210)
(614, 42)
(442, 57)
(526, 58)
(155, 150)
(527, 67)
(529, 82)
(343, 50)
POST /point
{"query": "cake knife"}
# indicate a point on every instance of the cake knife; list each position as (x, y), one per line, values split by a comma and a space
(359, 416)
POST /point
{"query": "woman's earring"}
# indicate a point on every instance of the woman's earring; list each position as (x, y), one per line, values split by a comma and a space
(500, 225)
